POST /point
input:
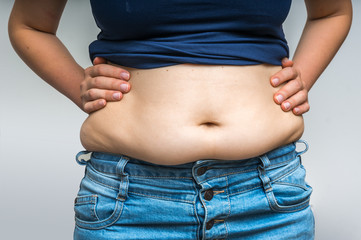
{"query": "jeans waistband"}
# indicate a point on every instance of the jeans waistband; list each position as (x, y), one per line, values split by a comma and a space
(109, 164)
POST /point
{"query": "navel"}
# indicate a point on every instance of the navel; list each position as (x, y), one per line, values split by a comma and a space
(210, 124)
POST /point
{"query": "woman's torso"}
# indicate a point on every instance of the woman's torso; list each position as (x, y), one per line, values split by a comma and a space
(187, 112)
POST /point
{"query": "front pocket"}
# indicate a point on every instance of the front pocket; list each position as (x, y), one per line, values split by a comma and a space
(84, 207)
(97, 205)
(85, 218)
(290, 193)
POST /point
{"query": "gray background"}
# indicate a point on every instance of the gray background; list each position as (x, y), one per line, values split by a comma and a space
(39, 136)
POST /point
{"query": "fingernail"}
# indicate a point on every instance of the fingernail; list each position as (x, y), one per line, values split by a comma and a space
(102, 103)
(286, 105)
(125, 75)
(279, 98)
(275, 81)
(124, 87)
(296, 110)
(116, 96)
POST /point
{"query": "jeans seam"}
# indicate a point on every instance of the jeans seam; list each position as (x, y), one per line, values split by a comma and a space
(160, 177)
(290, 171)
(253, 169)
(92, 202)
(229, 202)
(227, 174)
(292, 184)
(247, 190)
(87, 225)
(229, 209)
(94, 209)
(272, 166)
(143, 176)
(199, 227)
(100, 183)
(298, 207)
(162, 198)
(138, 176)
(225, 227)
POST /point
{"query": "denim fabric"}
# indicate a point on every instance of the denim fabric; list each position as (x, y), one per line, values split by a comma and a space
(262, 198)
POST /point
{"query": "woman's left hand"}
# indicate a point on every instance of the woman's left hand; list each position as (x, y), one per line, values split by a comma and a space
(293, 95)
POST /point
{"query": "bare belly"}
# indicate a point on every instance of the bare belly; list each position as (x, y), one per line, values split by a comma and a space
(184, 113)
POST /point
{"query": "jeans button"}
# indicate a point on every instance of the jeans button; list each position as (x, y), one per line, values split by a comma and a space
(209, 224)
(208, 195)
(201, 171)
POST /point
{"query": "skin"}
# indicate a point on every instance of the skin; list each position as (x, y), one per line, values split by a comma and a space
(102, 83)
(32, 31)
(97, 90)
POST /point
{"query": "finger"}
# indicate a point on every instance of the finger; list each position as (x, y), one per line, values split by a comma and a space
(283, 75)
(295, 100)
(93, 106)
(107, 70)
(99, 60)
(109, 84)
(94, 94)
(301, 109)
(287, 90)
(287, 62)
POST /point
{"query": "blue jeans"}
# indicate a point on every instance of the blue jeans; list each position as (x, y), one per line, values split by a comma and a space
(264, 198)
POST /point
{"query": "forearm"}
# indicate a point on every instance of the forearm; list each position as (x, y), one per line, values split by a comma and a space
(48, 57)
(321, 39)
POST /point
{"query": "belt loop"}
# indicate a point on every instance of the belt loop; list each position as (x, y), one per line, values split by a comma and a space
(306, 147)
(265, 161)
(124, 181)
(266, 181)
(80, 157)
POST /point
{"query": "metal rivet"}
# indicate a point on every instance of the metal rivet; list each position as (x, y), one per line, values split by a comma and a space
(208, 195)
(201, 171)
(209, 224)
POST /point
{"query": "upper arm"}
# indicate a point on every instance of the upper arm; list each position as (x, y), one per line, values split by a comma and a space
(41, 15)
(317, 9)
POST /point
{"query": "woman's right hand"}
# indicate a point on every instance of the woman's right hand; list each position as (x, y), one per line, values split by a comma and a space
(102, 83)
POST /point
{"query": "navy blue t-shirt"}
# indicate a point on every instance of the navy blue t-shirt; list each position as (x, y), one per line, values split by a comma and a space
(156, 33)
